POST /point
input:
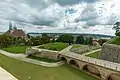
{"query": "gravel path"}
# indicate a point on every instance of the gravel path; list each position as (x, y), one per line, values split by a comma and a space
(91, 52)
(33, 61)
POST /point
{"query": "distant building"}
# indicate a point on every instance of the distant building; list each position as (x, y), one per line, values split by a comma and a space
(95, 42)
(16, 32)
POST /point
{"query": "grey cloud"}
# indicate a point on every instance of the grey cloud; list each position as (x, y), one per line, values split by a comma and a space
(112, 19)
(89, 15)
(92, 22)
(49, 13)
(46, 17)
(71, 2)
(39, 4)
(44, 3)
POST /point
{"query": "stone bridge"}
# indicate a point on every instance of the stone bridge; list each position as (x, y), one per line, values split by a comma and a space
(104, 70)
(101, 69)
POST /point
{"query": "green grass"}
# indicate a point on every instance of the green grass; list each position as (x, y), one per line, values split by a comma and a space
(115, 41)
(15, 49)
(57, 46)
(95, 54)
(23, 71)
(76, 46)
(42, 59)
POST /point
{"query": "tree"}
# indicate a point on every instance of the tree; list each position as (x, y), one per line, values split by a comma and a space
(45, 38)
(117, 34)
(80, 39)
(28, 35)
(65, 38)
(116, 27)
(20, 41)
(53, 40)
(36, 41)
(88, 40)
(101, 41)
(5, 40)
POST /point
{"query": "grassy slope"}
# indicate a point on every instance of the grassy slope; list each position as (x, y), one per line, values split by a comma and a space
(95, 54)
(16, 49)
(23, 70)
(54, 46)
(115, 41)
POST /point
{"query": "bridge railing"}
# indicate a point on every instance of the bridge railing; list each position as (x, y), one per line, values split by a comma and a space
(103, 63)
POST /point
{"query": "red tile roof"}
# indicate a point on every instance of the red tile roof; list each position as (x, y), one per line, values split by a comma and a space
(17, 33)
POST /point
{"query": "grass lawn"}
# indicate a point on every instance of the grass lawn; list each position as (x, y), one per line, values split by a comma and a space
(23, 71)
(95, 54)
(42, 59)
(16, 49)
(57, 46)
(115, 41)
(76, 46)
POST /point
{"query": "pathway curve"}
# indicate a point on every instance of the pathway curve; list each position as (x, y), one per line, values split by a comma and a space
(33, 61)
(87, 53)
(4, 75)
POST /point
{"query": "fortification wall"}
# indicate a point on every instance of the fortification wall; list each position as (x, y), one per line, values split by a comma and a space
(110, 52)
(47, 54)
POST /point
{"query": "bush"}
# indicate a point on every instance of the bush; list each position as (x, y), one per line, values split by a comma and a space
(65, 38)
(117, 34)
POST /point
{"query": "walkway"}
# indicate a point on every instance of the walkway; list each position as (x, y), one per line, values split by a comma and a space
(4, 75)
(22, 57)
(99, 62)
(91, 52)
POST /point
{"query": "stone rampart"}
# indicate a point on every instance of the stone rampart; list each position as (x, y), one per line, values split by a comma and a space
(110, 52)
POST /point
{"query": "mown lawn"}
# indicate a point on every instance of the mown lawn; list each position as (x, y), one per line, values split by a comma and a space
(42, 59)
(57, 46)
(95, 54)
(15, 49)
(23, 71)
(115, 41)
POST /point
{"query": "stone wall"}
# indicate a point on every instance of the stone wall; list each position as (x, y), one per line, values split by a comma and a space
(47, 54)
(110, 52)
(93, 69)
(30, 51)
(42, 53)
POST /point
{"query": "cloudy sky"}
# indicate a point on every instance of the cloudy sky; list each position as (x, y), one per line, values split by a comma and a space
(74, 16)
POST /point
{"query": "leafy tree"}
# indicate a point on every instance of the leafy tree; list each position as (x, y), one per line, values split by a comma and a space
(36, 41)
(29, 43)
(88, 41)
(53, 40)
(116, 27)
(80, 39)
(5, 40)
(28, 35)
(65, 38)
(101, 41)
(20, 41)
(117, 34)
(45, 38)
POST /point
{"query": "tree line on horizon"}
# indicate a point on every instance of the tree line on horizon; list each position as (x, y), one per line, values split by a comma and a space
(7, 40)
